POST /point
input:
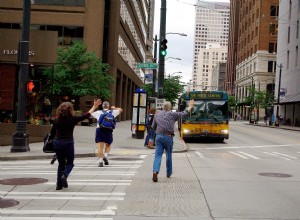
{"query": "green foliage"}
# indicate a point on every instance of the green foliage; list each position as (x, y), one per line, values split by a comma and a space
(231, 102)
(262, 99)
(79, 73)
(173, 87)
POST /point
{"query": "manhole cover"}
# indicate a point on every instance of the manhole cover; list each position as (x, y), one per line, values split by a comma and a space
(5, 203)
(281, 175)
(23, 181)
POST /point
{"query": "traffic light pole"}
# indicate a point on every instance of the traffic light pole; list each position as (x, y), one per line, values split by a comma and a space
(161, 66)
(154, 70)
(20, 140)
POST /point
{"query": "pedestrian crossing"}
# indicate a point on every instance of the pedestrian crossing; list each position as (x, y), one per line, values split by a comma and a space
(93, 192)
(255, 156)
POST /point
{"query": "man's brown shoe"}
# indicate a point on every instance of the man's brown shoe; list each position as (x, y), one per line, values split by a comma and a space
(154, 178)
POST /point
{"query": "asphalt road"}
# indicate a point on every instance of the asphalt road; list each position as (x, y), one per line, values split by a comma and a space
(252, 175)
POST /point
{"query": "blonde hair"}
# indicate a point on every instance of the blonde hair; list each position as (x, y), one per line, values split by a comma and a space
(167, 106)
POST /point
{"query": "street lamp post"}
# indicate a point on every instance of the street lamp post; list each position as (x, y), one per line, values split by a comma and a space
(174, 58)
(20, 140)
(174, 73)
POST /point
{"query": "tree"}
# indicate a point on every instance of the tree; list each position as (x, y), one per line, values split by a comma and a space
(78, 73)
(172, 88)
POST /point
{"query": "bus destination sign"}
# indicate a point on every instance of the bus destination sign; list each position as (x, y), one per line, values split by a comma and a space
(206, 96)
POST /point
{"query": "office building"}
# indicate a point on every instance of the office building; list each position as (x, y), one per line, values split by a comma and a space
(288, 63)
(119, 32)
(255, 54)
(211, 27)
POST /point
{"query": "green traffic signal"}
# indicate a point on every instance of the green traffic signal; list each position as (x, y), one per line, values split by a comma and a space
(163, 47)
(163, 52)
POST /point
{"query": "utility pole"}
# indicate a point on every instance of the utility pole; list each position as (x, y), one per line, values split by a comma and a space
(20, 140)
(161, 66)
(154, 70)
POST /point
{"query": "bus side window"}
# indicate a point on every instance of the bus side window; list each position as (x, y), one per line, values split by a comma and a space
(182, 106)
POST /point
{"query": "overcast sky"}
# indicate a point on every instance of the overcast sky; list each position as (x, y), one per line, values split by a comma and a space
(180, 19)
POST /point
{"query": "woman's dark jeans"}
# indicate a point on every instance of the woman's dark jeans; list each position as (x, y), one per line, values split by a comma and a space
(64, 150)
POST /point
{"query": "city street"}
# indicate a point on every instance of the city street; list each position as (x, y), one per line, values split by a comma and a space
(252, 175)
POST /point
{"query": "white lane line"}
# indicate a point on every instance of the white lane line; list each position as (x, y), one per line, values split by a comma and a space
(259, 146)
(49, 218)
(249, 155)
(57, 212)
(143, 156)
(199, 154)
(276, 155)
(239, 155)
(104, 198)
(63, 193)
(285, 155)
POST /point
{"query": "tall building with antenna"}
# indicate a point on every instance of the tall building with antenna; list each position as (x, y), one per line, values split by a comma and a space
(211, 27)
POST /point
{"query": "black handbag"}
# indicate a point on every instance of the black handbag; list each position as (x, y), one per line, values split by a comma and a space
(48, 144)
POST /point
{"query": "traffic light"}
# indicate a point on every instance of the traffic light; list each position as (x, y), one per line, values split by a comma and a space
(33, 86)
(163, 47)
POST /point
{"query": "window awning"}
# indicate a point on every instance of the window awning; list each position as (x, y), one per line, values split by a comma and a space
(290, 99)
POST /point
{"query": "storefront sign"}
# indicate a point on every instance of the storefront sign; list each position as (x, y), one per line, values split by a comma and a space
(14, 52)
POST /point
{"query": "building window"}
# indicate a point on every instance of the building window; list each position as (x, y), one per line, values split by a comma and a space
(272, 47)
(273, 29)
(297, 29)
(290, 10)
(273, 11)
(270, 66)
(289, 34)
(287, 59)
(296, 56)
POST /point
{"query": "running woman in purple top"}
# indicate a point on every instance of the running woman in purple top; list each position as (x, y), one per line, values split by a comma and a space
(164, 123)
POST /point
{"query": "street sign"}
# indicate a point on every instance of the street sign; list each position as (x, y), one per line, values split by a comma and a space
(147, 65)
(159, 103)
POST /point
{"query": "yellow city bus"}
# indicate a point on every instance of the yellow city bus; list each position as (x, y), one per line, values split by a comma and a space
(209, 117)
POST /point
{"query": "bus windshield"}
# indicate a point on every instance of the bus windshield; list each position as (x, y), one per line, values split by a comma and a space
(214, 111)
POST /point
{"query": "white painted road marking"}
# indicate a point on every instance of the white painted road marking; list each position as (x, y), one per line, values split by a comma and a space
(249, 155)
(277, 155)
(239, 155)
(199, 154)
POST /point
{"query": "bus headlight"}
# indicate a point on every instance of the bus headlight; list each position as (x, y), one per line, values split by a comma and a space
(186, 131)
(224, 131)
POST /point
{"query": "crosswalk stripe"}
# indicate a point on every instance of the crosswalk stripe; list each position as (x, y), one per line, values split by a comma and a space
(239, 155)
(75, 167)
(285, 155)
(63, 193)
(91, 184)
(57, 212)
(78, 173)
(249, 155)
(277, 155)
(49, 218)
(107, 198)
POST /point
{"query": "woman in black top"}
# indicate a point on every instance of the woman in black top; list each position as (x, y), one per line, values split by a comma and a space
(62, 131)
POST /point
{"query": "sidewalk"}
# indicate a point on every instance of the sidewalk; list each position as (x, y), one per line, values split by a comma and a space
(85, 145)
(285, 127)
